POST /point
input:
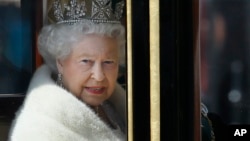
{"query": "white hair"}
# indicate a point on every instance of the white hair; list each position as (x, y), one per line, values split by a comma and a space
(56, 40)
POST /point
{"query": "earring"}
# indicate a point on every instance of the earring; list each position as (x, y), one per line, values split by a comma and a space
(59, 80)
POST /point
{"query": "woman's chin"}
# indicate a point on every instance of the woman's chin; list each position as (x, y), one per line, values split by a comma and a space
(93, 99)
(93, 102)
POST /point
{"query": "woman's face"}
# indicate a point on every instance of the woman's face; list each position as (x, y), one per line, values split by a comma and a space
(91, 70)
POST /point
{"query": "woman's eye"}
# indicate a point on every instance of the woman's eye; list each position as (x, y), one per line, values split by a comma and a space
(86, 61)
(86, 64)
(109, 62)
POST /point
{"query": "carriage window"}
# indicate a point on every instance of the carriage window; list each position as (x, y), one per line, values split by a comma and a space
(225, 62)
(17, 56)
(15, 47)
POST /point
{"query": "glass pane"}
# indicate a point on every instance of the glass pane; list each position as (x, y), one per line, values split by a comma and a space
(15, 48)
(225, 62)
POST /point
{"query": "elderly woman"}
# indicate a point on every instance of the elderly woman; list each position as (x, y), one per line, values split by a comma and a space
(75, 96)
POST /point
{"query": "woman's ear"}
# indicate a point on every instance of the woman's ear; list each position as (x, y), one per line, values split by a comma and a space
(59, 66)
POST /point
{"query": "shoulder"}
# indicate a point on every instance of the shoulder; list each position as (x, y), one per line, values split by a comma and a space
(206, 125)
(44, 110)
(52, 113)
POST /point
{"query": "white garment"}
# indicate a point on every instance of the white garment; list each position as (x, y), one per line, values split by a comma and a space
(50, 113)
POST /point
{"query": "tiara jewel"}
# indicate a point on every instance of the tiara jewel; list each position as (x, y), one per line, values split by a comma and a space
(72, 11)
(101, 9)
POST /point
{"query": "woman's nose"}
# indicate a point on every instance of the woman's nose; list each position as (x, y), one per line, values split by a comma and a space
(97, 72)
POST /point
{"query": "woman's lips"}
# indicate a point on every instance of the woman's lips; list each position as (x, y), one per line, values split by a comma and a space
(95, 90)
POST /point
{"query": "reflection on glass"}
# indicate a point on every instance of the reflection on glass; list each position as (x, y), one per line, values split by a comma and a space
(225, 66)
(15, 51)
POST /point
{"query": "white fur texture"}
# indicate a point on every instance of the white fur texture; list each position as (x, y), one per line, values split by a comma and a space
(50, 113)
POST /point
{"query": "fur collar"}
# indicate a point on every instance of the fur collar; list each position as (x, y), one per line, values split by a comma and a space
(53, 114)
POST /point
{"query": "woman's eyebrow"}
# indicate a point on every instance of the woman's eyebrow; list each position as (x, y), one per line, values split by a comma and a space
(84, 55)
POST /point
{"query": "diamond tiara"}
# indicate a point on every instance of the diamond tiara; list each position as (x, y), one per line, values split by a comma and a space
(72, 11)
